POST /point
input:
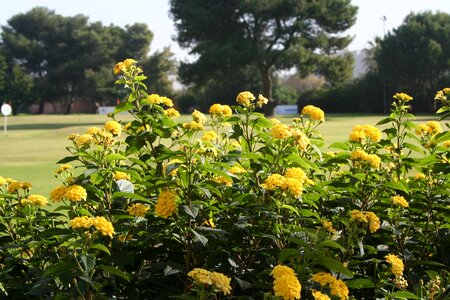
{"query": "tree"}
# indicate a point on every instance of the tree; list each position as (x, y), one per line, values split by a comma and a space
(271, 35)
(414, 57)
(158, 67)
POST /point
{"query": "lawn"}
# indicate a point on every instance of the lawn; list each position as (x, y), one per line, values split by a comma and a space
(34, 143)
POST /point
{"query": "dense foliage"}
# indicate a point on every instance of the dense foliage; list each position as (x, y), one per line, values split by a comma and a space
(268, 35)
(52, 58)
(247, 208)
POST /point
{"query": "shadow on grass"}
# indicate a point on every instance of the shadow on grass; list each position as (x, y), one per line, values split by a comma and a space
(49, 125)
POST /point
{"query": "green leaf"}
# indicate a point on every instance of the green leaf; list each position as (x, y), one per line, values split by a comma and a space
(53, 232)
(331, 244)
(115, 156)
(190, 210)
(101, 248)
(287, 253)
(130, 196)
(67, 159)
(88, 262)
(334, 265)
(340, 145)
(124, 106)
(96, 178)
(291, 208)
(200, 237)
(59, 268)
(404, 295)
(360, 283)
(385, 121)
(414, 148)
(397, 185)
(115, 271)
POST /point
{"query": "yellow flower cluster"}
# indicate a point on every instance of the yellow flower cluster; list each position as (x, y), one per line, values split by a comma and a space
(138, 209)
(443, 95)
(245, 98)
(285, 284)
(396, 264)
(400, 201)
(361, 156)
(73, 193)
(166, 204)
(124, 65)
(63, 168)
(301, 139)
(209, 136)
(315, 113)
(237, 169)
(281, 131)
(217, 280)
(319, 296)
(113, 127)
(337, 286)
(35, 199)
(14, 186)
(220, 111)
(293, 180)
(121, 175)
(100, 223)
(363, 133)
(429, 128)
(2, 180)
(223, 180)
(157, 99)
(328, 226)
(403, 97)
(199, 119)
(366, 217)
(172, 113)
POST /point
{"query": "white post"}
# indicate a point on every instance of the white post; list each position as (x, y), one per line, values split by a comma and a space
(6, 110)
(4, 125)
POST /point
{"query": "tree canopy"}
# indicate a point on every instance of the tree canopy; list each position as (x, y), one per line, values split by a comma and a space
(70, 58)
(270, 35)
(414, 58)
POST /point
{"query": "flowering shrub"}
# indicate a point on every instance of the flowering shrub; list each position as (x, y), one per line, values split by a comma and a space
(234, 205)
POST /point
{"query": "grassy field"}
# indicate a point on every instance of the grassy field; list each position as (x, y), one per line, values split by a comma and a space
(34, 143)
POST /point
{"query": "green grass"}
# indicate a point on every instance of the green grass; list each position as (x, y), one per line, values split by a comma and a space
(34, 143)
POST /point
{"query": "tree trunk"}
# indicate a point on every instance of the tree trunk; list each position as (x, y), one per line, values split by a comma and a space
(41, 106)
(266, 78)
(69, 106)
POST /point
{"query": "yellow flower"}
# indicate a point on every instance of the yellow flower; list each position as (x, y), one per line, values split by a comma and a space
(93, 130)
(104, 226)
(237, 169)
(221, 282)
(287, 287)
(273, 181)
(62, 168)
(209, 136)
(374, 221)
(14, 186)
(245, 98)
(201, 276)
(396, 264)
(172, 113)
(154, 99)
(121, 175)
(2, 181)
(361, 133)
(129, 62)
(199, 117)
(319, 296)
(358, 216)
(210, 223)
(399, 200)
(38, 200)
(296, 173)
(419, 176)
(281, 131)
(220, 111)
(167, 101)
(361, 156)
(373, 160)
(261, 101)
(323, 278)
(434, 127)
(403, 97)
(80, 222)
(446, 144)
(166, 205)
(119, 67)
(280, 270)
(301, 139)
(294, 185)
(328, 226)
(315, 113)
(275, 121)
(58, 193)
(193, 125)
(138, 209)
(75, 193)
(339, 289)
(223, 180)
(26, 185)
(84, 139)
(113, 127)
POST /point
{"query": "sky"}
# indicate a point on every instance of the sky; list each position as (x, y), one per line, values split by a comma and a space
(155, 13)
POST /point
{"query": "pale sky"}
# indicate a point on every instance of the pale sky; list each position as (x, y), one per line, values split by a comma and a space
(369, 22)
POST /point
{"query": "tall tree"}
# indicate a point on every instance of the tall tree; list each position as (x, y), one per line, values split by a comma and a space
(271, 35)
(414, 58)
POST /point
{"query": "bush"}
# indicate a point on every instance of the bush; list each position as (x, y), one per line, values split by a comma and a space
(250, 209)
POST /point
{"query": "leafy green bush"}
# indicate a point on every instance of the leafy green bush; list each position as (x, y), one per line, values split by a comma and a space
(248, 209)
